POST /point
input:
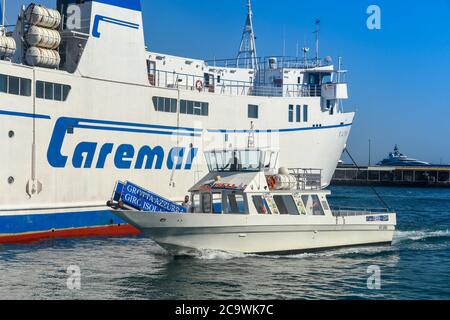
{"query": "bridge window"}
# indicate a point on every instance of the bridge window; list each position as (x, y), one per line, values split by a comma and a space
(15, 85)
(52, 91)
(253, 111)
(291, 113)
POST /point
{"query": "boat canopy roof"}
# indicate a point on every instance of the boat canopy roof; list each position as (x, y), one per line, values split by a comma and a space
(241, 160)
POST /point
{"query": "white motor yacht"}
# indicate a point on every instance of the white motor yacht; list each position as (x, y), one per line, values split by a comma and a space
(245, 205)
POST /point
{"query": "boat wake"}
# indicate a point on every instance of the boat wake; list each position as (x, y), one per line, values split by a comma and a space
(407, 236)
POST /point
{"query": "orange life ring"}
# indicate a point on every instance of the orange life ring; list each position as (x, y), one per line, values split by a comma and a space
(271, 182)
(199, 85)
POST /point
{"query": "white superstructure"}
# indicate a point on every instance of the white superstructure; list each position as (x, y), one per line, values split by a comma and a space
(93, 106)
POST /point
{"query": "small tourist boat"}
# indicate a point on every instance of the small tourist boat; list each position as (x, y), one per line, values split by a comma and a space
(245, 205)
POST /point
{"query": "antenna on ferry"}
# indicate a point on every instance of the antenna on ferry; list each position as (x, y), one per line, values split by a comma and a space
(247, 49)
(317, 40)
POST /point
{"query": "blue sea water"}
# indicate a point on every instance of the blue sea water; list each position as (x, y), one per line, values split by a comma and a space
(416, 266)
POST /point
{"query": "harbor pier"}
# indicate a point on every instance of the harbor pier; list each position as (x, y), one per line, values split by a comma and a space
(405, 176)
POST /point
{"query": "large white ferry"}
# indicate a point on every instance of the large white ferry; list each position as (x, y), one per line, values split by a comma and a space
(83, 104)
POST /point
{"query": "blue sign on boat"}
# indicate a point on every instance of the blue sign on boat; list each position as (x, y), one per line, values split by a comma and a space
(383, 218)
(143, 200)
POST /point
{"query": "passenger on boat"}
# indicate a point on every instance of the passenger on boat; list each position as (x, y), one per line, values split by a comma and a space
(187, 204)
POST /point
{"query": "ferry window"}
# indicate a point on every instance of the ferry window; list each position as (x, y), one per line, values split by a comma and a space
(3, 83)
(260, 206)
(317, 206)
(25, 87)
(40, 90)
(52, 91)
(205, 109)
(253, 111)
(235, 203)
(183, 106)
(190, 107)
(314, 79)
(291, 113)
(14, 85)
(194, 107)
(48, 91)
(217, 202)
(305, 113)
(286, 204)
(163, 104)
(66, 90)
(58, 92)
(298, 114)
(197, 108)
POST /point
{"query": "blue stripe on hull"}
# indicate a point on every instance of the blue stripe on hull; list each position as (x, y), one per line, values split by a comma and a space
(43, 222)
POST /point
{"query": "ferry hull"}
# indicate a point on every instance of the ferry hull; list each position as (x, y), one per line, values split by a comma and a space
(31, 227)
(183, 234)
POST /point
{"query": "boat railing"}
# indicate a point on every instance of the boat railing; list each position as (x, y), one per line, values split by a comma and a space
(174, 80)
(307, 179)
(352, 212)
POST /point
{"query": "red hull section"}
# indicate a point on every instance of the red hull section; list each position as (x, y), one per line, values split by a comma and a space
(113, 230)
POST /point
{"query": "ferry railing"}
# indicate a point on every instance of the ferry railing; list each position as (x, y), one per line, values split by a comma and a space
(173, 80)
(268, 62)
(307, 179)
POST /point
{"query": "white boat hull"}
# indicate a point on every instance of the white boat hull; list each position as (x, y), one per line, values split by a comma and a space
(180, 233)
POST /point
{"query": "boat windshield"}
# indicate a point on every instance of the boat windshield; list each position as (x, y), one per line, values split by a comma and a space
(240, 160)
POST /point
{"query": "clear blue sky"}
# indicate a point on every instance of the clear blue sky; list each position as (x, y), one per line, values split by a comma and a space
(399, 79)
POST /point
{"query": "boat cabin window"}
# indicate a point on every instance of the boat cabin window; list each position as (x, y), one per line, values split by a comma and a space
(217, 202)
(196, 202)
(286, 204)
(313, 205)
(317, 206)
(260, 205)
(206, 202)
(240, 160)
(235, 203)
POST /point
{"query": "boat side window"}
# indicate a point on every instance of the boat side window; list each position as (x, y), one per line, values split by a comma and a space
(286, 204)
(217, 202)
(15, 85)
(259, 204)
(196, 202)
(52, 91)
(317, 206)
(235, 203)
(206, 202)
(308, 203)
